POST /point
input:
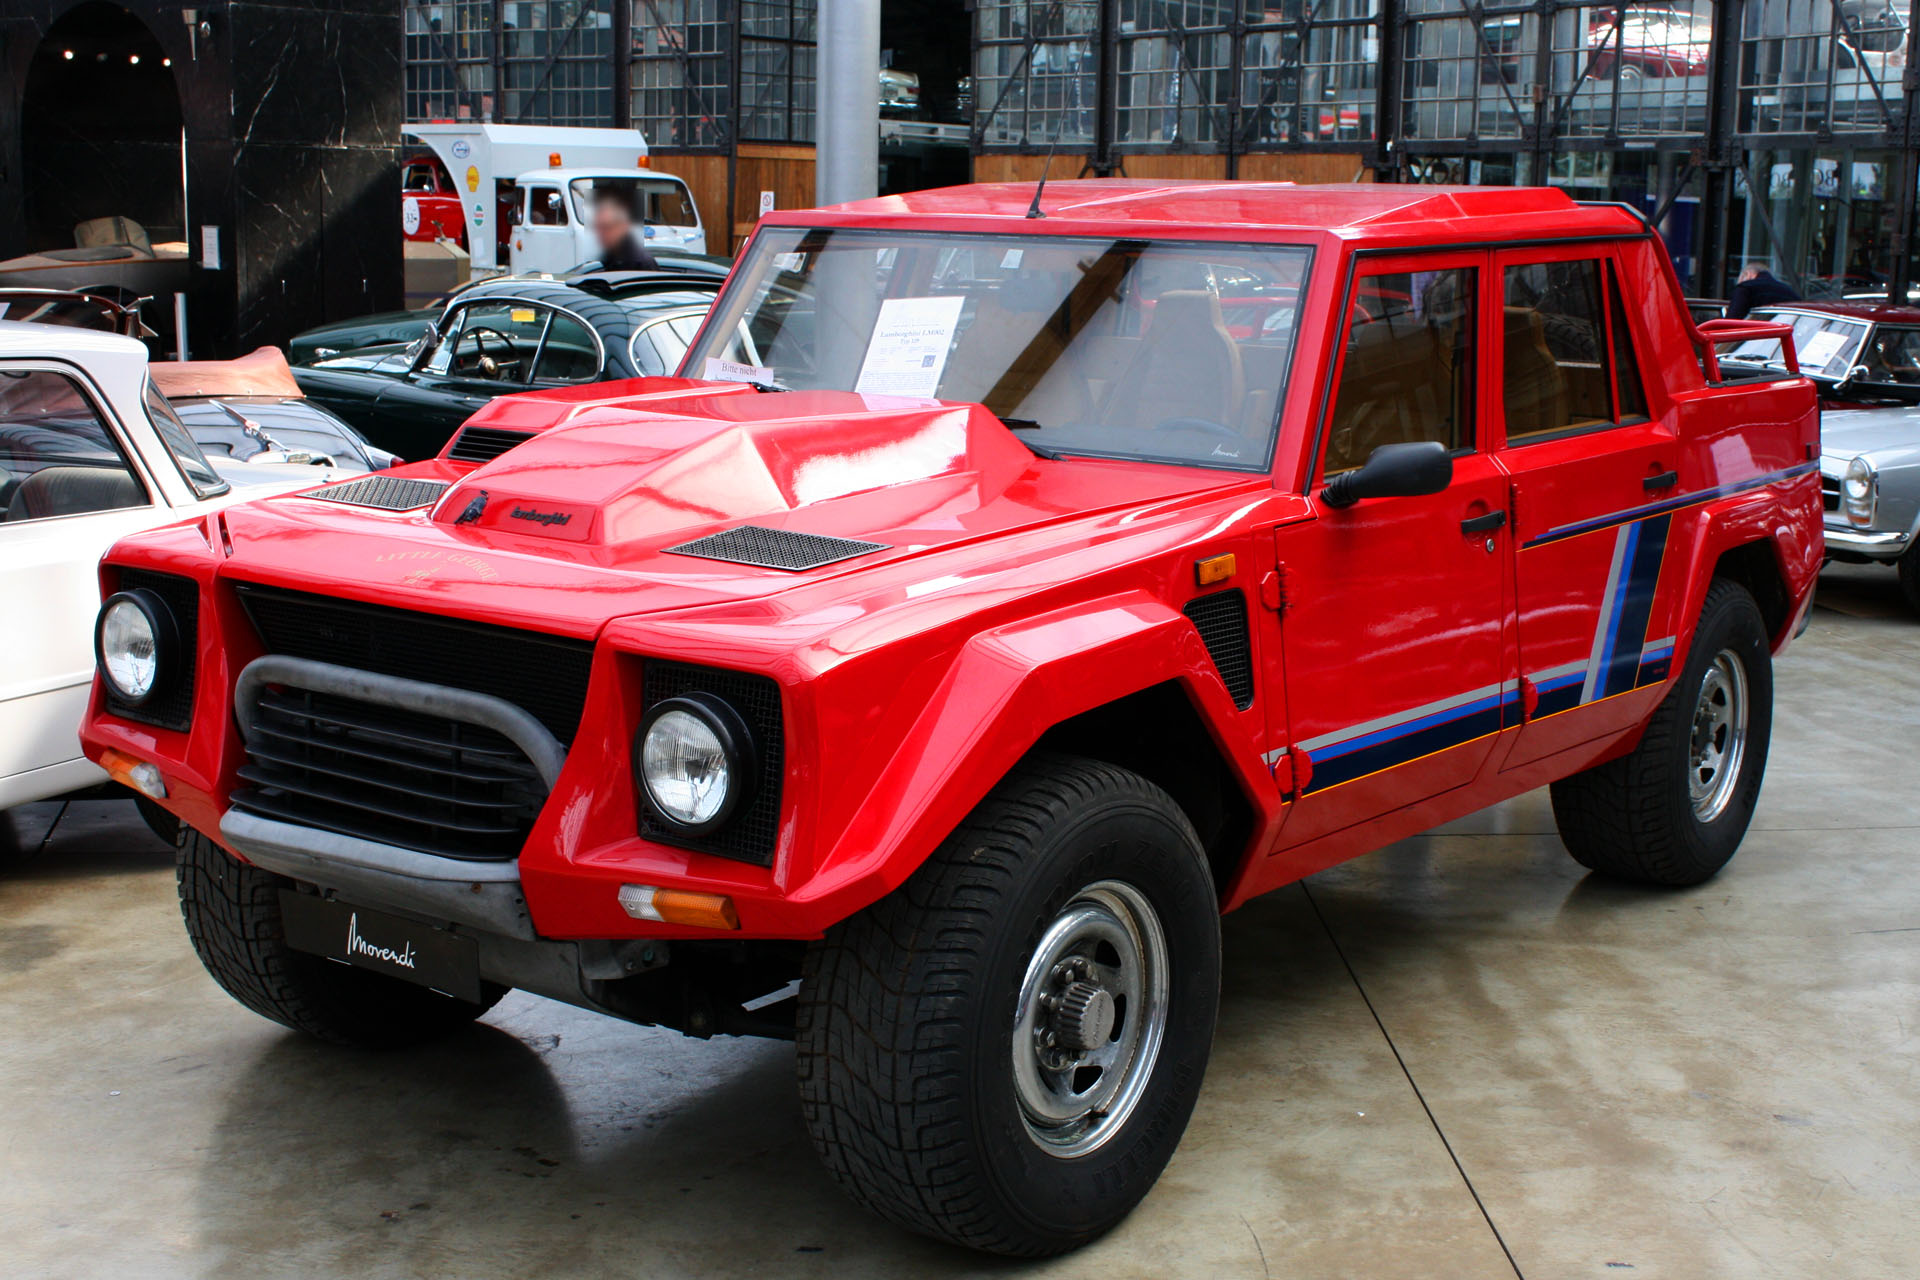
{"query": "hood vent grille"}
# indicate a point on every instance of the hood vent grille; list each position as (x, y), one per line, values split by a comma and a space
(775, 548)
(484, 444)
(388, 493)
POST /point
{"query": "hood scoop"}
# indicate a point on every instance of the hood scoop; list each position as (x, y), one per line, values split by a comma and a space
(386, 493)
(484, 444)
(775, 548)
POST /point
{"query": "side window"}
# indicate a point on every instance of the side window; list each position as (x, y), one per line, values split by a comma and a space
(1407, 370)
(1554, 340)
(570, 353)
(57, 455)
(545, 208)
(1632, 391)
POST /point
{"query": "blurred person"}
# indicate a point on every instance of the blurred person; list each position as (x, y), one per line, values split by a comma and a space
(1757, 288)
(622, 239)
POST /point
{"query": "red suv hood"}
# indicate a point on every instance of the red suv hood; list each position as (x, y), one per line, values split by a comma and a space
(574, 526)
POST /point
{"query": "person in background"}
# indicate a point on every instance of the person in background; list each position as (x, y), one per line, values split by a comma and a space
(1757, 288)
(622, 240)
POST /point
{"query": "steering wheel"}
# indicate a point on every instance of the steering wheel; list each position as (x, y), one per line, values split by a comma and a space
(1206, 426)
(485, 364)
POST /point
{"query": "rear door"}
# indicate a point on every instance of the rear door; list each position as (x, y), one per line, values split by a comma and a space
(1396, 609)
(1594, 463)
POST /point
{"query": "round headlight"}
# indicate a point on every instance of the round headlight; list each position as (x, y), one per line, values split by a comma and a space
(1858, 489)
(134, 642)
(1859, 479)
(695, 761)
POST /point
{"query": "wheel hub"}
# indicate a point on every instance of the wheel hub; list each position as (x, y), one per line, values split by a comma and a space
(1083, 1019)
(1092, 1013)
(1717, 743)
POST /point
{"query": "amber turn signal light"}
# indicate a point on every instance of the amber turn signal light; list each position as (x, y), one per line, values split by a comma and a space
(1213, 569)
(679, 906)
(138, 774)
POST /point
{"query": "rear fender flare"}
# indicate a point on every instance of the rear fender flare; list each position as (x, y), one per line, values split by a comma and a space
(1795, 548)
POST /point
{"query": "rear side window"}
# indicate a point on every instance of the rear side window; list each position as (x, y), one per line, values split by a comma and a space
(57, 455)
(570, 354)
(1565, 367)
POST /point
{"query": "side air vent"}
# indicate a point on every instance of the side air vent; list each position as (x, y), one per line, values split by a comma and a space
(775, 548)
(484, 444)
(388, 493)
(1221, 618)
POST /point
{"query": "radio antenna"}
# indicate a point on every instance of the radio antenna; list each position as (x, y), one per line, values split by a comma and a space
(1033, 210)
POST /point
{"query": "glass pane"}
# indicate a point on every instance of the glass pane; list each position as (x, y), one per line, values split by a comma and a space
(1555, 348)
(1406, 373)
(1115, 348)
(57, 457)
(571, 353)
(173, 433)
(1633, 393)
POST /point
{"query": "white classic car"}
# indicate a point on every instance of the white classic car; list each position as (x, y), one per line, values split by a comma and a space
(89, 452)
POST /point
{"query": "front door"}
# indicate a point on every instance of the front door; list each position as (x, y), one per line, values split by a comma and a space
(1397, 609)
(1595, 472)
(544, 239)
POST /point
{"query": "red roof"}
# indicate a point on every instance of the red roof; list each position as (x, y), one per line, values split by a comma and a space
(1350, 207)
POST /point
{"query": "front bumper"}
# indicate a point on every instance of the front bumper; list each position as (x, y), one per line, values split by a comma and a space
(1871, 544)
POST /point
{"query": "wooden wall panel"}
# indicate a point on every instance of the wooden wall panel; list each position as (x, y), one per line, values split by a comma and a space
(1304, 166)
(786, 171)
(706, 177)
(1210, 168)
(1024, 168)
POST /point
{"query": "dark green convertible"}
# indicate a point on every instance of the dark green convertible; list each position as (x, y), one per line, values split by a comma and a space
(505, 336)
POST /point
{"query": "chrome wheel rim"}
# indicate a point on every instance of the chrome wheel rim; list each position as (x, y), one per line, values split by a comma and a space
(1092, 1015)
(1719, 739)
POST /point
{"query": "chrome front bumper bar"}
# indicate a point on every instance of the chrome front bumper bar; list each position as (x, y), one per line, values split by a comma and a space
(1870, 543)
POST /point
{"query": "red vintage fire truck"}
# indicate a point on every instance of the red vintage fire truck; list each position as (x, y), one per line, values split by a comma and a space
(1014, 581)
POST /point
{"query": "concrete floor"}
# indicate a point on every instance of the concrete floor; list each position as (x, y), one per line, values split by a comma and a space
(1458, 1057)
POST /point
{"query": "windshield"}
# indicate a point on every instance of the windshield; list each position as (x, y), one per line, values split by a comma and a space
(660, 201)
(173, 433)
(1826, 345)
(1156, 350)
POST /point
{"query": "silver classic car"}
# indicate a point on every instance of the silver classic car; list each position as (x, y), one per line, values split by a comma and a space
(1865, 358)
(1870, 481)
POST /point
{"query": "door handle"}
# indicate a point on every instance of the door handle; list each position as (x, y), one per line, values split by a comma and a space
(1484, 524)
(1660, 480)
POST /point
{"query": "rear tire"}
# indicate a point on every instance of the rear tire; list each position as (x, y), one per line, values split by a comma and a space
(232, 913)
(1674, 809)
(1004, 1052)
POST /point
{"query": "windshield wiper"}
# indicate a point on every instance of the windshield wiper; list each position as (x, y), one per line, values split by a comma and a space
(1028, 424)
(767, 387)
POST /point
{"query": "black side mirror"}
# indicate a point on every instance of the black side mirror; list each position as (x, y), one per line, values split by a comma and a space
(1393, 471)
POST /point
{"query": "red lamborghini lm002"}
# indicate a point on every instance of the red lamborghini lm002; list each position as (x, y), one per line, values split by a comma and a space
(994, 601)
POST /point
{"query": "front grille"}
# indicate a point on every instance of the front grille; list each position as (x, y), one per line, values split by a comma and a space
(386, 493)
(775, 548)
(484, 444)
(379, 773)
(543, 675)
(1222, 622)
(754, 833)
(172, 707)
(1830, 492)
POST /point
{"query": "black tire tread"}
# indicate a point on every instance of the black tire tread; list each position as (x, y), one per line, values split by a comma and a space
(1908, 567)
(880, 1092)
(1617, 818)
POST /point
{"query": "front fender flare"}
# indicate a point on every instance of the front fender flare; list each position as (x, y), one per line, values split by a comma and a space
(1004, 689)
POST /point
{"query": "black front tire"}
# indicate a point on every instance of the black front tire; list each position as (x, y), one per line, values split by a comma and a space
(908, 1040)
(1634, 818)
(1908, 567)
(232, 913)
(164, 825)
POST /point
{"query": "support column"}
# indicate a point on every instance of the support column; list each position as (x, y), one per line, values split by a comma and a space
(848, 164)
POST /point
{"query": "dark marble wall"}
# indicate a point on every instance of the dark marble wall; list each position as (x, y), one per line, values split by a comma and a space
(292, 115)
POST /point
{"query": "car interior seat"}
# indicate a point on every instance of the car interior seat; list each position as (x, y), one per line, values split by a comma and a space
(72, 491)
(1188, 366)
(1397, 385)
(1535, 390)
